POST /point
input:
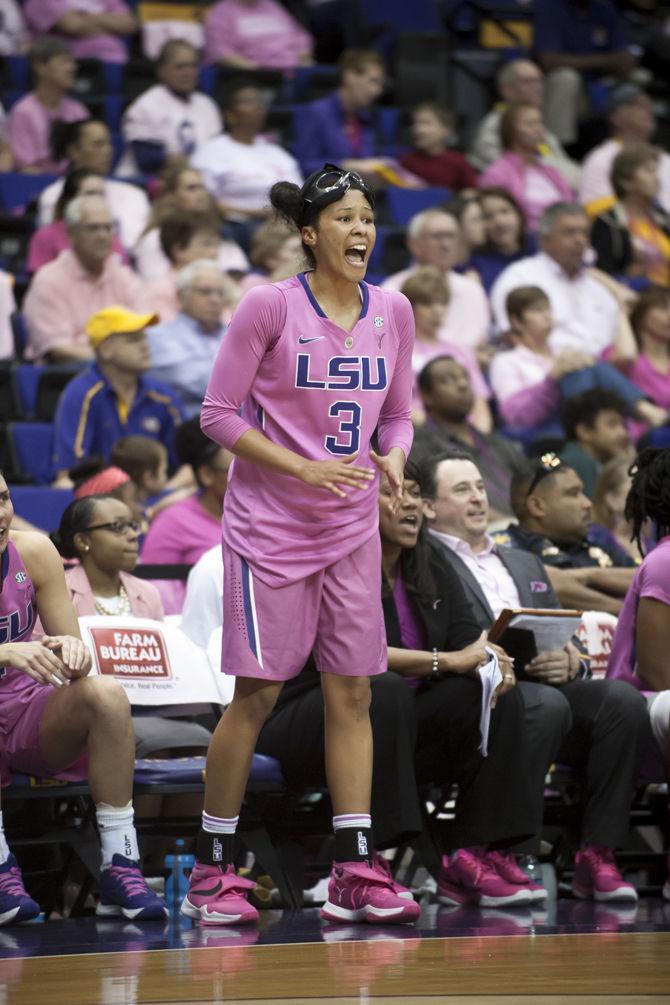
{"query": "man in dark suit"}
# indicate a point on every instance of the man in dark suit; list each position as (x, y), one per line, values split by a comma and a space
(609, 722)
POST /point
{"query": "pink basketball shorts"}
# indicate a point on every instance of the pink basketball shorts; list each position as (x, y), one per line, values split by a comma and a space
(20, 738)
(269, 632)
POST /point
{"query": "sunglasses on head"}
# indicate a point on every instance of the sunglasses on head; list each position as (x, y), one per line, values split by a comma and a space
(331, 184)
(547, 464)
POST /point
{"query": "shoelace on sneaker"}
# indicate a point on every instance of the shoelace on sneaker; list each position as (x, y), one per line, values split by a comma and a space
(602, 859)
(509, 863)
(11, 882)
(481, 867)
(131, 879)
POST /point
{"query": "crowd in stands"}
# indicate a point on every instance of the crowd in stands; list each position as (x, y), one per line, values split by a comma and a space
(534, 249)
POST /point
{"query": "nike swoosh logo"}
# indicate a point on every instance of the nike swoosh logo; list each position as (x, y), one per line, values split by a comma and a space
(304, 341)
(210, 892)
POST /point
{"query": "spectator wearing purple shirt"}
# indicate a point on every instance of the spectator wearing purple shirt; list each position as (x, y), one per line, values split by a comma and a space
(574, 39)
(92, 28)
(31, 118)
(340, 128)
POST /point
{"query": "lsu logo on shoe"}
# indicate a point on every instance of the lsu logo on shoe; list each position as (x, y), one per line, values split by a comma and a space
(20, 577)
(362, 843)
(217, 850)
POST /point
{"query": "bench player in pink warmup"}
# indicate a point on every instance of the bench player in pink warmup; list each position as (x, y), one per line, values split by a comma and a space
(52, 713)
(316, 362)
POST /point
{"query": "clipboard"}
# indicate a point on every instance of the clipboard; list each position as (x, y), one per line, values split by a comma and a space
(524, 632)
(507, 615)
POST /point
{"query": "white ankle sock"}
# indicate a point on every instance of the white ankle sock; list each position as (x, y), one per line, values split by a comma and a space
(219, 825)
(4, 847)
(117, 832)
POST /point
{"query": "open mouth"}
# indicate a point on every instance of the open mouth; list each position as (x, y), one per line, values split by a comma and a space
(409, 521)
(356, 254)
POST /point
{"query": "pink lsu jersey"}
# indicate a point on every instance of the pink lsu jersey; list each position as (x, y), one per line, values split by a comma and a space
(320, 391)
(17, 616)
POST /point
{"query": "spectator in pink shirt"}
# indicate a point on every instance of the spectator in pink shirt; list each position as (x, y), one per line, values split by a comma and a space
(427, 289)
(181, 190)
(534, 184)
(183, 532)
(433, 238)
(276, 253)
(255, 33)
(650, 367)
(31, 118)
(65, 293)
(531, 382)
(92, 28)
(48, 242)
(186, 238)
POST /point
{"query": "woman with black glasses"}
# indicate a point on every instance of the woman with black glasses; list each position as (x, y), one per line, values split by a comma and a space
(101, 533)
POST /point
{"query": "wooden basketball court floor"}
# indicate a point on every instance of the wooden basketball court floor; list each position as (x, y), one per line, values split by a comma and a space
(576, 952)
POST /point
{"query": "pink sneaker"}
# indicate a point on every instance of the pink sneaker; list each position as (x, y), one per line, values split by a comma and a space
(383, 866)
(358, 892)
(469, 879)
(218, 896)
(596, 875)
(508, 869)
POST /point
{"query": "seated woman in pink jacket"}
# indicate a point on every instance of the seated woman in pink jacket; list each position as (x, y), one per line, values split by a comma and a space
(530, 382)
(102, 534)
(534, 184)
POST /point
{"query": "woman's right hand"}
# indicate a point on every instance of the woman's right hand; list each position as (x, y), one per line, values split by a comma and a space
(331, 475)
(35, 660)
(474, 656)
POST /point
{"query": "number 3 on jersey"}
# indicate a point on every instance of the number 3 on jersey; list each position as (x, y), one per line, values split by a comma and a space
(348, 436)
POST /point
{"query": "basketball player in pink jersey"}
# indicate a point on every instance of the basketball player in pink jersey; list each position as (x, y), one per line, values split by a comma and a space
(52, 714)
(315, 363)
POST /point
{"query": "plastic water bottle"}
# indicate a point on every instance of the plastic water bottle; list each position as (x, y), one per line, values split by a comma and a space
(180, 865)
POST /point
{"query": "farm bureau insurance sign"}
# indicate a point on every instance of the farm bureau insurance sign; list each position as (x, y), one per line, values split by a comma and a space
(155, 662)
(133, 655)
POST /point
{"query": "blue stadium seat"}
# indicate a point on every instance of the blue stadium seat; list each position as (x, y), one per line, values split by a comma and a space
(26, 379)
(404, 203)
(403, 16)
(31, 445)
(207, 78)
(18, 190)
(19, 72)
(41, 505)
(20, 332)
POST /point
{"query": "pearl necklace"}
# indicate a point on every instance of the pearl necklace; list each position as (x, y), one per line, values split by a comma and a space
(120, 608)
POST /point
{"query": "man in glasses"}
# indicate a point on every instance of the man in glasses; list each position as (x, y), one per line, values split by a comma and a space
(607, 723)
(554, 518)
(113, 397)
(85, 277)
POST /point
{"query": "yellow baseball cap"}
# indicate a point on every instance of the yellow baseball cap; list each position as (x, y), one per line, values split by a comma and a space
(116, 321)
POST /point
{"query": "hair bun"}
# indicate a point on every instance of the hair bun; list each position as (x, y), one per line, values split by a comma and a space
(286, 199)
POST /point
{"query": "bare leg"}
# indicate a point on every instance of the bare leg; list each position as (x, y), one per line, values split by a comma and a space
(232, 746)
(348, 742)
(92, 714)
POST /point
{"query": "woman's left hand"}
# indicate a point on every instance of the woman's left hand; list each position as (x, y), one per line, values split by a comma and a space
(73, 654)
(393, 466)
